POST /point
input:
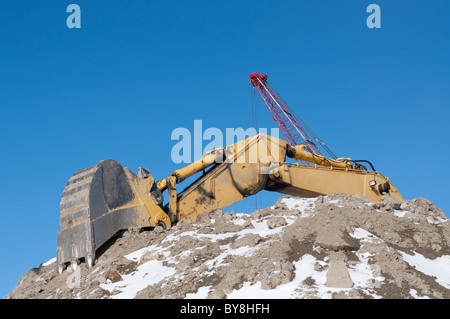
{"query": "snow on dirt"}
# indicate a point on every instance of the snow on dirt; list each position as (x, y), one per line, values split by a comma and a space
(336, 246)
(438, 268)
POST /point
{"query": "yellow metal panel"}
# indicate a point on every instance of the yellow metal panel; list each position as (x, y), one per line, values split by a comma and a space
(330, 181)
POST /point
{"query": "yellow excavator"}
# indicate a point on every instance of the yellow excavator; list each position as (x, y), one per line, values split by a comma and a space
(106, 198)
(101, 200)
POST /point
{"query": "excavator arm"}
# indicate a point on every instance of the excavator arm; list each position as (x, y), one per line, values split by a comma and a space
(236, 178)
(101, 200)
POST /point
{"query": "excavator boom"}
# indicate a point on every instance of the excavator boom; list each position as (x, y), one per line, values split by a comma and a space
(236, 178)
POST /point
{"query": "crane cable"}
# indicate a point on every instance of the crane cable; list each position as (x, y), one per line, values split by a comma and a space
(314, 135)
(255, 125)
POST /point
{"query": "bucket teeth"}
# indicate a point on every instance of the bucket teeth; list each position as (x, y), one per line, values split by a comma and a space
(61, 268)
(90, 259)
(74, 264)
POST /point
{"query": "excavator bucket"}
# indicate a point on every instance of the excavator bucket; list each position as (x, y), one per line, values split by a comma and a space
(99, 201)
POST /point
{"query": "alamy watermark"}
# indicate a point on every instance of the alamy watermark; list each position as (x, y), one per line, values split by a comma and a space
(228, 146)
(374, 19)
(74, 19)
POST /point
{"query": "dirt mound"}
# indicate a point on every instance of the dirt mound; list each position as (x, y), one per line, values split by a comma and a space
(336, 246)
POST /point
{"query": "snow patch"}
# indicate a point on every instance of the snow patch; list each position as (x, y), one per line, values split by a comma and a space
(48, 263)
(147, 274)
(366, 276)
(414, 294)
(432, 267)
(400, 213)
(364, 236)
(137, 255)
(301, 204)
(202, 293)
(297, 288)
(304, 268)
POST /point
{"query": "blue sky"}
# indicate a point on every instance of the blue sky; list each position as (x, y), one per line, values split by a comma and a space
(136, 70)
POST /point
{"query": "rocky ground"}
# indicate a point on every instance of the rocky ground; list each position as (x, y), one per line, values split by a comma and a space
(336, 246)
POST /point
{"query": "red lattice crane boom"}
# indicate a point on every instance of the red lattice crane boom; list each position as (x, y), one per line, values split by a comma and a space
(295, 131)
